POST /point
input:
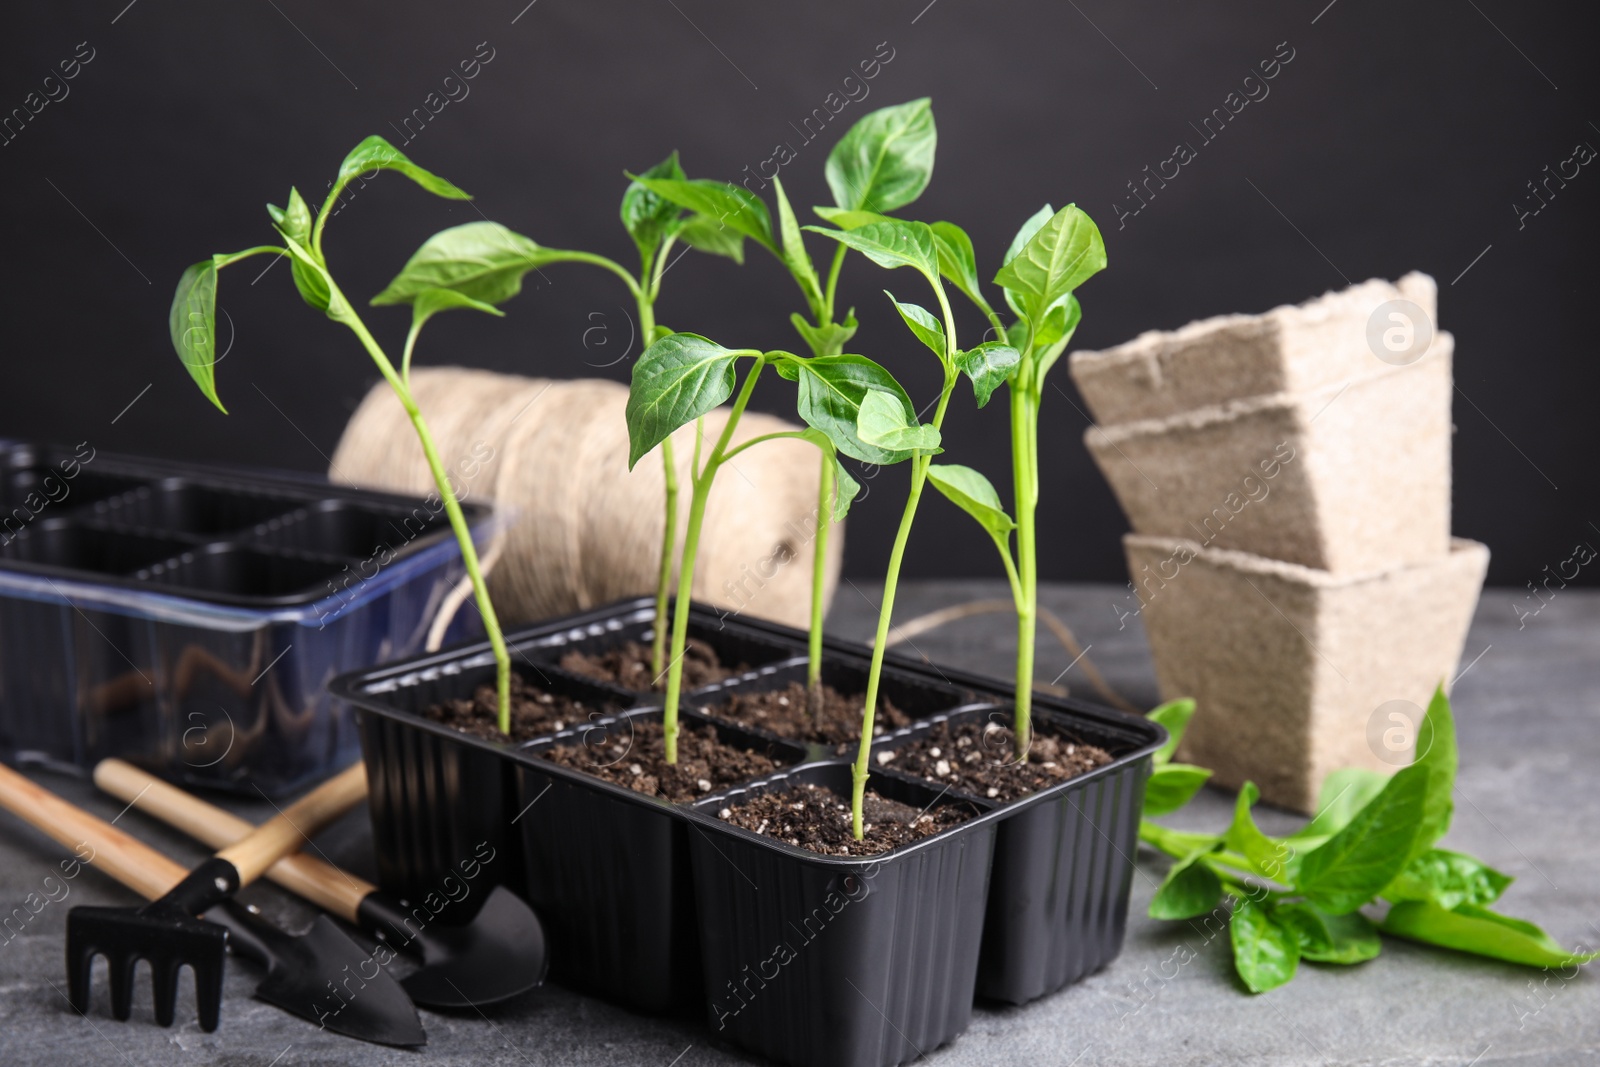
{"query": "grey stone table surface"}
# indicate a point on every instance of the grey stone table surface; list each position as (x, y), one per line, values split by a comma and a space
(1526, 706)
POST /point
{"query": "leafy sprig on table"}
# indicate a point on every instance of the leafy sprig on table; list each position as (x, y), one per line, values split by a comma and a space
(1315, 894)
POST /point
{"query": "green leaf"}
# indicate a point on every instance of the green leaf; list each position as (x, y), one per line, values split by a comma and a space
(849, 220)
(295, 224)
(845, 490)
(192, 322)
(430, 302)
(891, 244)
(294, 221)
(794, 248)
(831, 391)
(1171, 786)
(1265, 953)
(1059, 323)
(885, 423)
(1350, 868)
(826, 340)
(676, 380)
(957, 262)
(989, 366)
(1174, 716)
(1449, 879)
(1065, 252)
(1191, 888)
(970, 491)
(1267, 857)
(648, 216)
(1481, 932)
(713, 236)
(1329, 938)
(927, 328)
(885, 160)
(1344, 792)
(482, 260)
(1025, 234)
(734, 206)
(375, 153)
(1436, 741)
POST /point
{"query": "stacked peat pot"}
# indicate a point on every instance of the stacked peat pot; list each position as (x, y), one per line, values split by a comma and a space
(803, 957)
(1287, 477)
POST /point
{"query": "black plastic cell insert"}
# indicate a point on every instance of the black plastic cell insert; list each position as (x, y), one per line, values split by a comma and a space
(71, 545)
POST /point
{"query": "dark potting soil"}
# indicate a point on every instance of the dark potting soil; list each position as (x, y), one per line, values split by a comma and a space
(979, 759)
(815, 818)
(633, 754)
(534, 712)
(628, 665)
(783, 712)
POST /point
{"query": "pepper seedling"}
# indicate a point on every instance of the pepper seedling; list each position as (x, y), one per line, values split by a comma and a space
(1373, 842)
(684, 376)
(882, 163)
(893, 244)
(1052, 254)
(192, 322)
(484, 257)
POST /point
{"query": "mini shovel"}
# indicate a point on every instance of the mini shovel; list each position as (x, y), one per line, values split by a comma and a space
(496, 955)
(303, 971)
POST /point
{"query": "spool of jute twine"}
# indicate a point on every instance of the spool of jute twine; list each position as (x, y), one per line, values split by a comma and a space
(577, 528)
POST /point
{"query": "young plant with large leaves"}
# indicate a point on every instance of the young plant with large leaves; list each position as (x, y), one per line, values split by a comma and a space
(192, 322)
(1305, 895)
(882, 163)
(484, 260)
(1053, 254)
(897, 429)
(683, 376)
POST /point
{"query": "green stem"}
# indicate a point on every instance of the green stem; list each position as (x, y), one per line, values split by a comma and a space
(645, 298)
(1025, 483)
(258, 250)
(891, 581)
(701, 491)
(1176, 843)
(819, 567)
(833, 281)
(669, 536)
(452, 507)
(775, 436)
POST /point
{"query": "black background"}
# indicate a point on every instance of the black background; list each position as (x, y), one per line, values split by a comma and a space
(1399, 137)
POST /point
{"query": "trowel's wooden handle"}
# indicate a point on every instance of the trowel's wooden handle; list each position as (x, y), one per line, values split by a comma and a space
(323, 884)
(131, 862)
(295, 825)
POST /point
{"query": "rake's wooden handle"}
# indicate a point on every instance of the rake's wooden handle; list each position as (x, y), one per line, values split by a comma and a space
(294, 826)
(323, 884)
(131, 862)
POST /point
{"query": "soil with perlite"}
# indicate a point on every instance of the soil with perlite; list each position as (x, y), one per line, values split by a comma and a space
(628, 665)
(534, 712)
(979, 758)
(632, 754)
(815, 818)
(783, 712)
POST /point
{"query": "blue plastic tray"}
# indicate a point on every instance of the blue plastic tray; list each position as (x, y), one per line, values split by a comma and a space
(186, 617)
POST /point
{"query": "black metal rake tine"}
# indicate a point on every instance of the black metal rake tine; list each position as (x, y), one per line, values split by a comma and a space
(163, 934)
(169, 932)
(122, 986)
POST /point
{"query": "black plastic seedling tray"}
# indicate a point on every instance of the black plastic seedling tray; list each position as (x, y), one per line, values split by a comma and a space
(610, 870)
(186, 617)
(1058, 905)
(830, 961)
